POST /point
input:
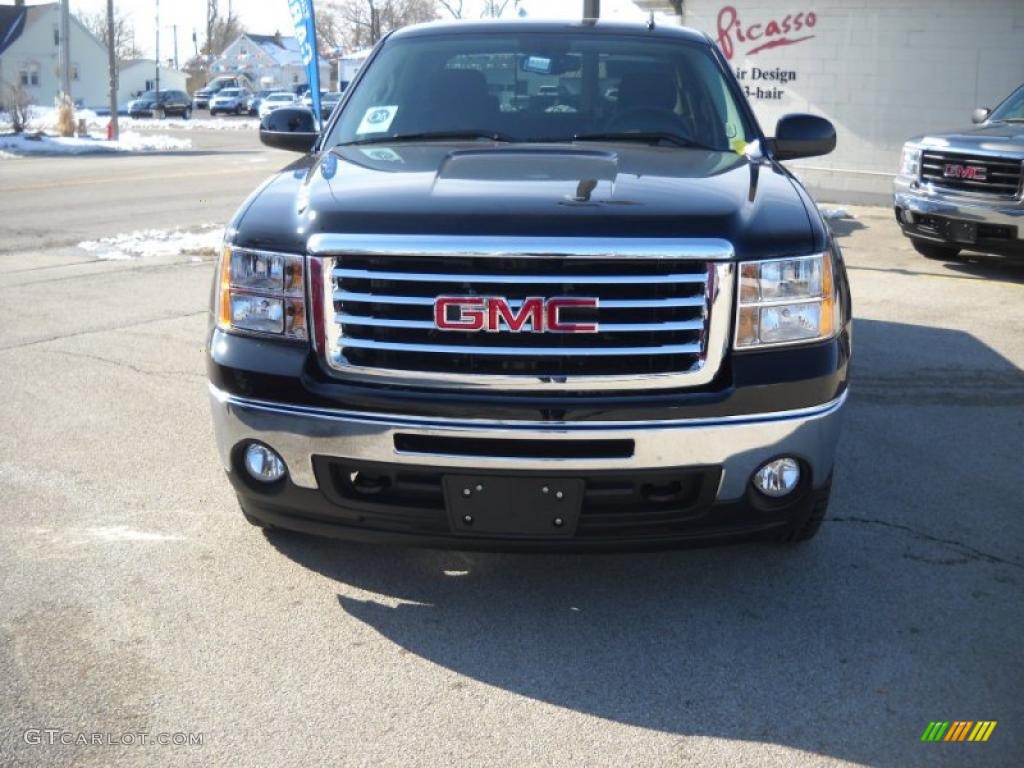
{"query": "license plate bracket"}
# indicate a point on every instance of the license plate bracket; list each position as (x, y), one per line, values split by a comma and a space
(524, 507)
(962, 231)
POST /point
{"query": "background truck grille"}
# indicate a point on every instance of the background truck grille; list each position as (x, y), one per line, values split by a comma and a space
(654, 320)
(1002, 175)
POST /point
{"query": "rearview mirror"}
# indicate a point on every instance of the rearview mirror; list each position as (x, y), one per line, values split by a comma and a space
(801, 135)
(291, 128)
(980, 115)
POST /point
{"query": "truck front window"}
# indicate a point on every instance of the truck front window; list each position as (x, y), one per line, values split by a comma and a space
(545, 87)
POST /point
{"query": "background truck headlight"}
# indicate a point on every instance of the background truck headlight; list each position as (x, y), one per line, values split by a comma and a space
(786, 301)
(910, 161)
(261, 293)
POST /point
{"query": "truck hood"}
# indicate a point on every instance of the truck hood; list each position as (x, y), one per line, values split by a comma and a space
(594, 190)
(988, 137)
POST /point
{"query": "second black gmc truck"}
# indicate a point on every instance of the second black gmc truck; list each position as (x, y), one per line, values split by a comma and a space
(534, 285)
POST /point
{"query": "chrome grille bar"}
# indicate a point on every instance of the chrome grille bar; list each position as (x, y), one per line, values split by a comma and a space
(421, 277)
(383, 322)
(668, 349)
(428, 301)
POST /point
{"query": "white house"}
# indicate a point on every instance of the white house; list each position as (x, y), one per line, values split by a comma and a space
(139, 75)
(349, 65)
(272, 61)
(30, 51)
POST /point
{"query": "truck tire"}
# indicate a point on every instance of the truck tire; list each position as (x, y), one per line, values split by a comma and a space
(936, 251)
(253, 520)
(807, 527)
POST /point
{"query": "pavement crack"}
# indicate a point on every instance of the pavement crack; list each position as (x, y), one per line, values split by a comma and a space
(76, 334)
(966, 550)
(129, 366)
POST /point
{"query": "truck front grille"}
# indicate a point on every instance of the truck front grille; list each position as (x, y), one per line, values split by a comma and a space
(655, 317)
(984, 174)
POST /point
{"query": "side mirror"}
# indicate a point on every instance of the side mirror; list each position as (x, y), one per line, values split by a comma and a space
(980, 115)
(291, 128)
(803, 136)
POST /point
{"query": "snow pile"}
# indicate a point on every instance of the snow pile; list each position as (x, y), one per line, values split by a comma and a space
(177, 124)
(154, 242)
(45, 119)
(834, 213)
(20, 145)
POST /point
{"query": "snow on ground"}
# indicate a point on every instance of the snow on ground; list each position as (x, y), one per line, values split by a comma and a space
(21, 145)
(154, 242)
(45, 119)
(834, 213)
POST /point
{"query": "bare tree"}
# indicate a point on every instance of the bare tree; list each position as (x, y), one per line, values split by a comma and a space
(495, 8)
(453, 7)
(225, 31)
(363, 22)
(123, 33)
(17, 102)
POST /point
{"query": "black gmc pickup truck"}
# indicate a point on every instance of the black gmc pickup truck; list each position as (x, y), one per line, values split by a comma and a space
(539, 286)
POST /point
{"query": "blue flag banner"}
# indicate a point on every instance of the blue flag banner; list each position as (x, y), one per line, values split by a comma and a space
(305, 32)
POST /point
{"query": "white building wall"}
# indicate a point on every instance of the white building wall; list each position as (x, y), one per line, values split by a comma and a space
(881, 70)
(36, 47)
(140, 76)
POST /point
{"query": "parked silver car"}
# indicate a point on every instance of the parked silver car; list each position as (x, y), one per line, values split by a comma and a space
(233, 100)
(964, 190)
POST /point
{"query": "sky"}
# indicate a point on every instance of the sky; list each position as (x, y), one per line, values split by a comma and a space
(268, 16)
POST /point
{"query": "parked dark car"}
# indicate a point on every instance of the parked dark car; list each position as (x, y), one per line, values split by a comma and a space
(166, 104)
(964, 190)
(453, 324)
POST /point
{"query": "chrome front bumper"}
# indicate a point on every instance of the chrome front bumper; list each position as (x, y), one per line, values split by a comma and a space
(1009, 213)
(738, 444)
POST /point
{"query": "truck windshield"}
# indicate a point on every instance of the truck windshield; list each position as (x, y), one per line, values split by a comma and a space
(1011, 110)
(545, 87)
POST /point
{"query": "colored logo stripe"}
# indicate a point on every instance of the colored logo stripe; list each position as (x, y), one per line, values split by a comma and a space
(982, 730)
(958, 730)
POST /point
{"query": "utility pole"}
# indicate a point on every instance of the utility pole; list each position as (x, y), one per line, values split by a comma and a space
(175, 46)
(112, 66)
(65, 49)
(157, 57)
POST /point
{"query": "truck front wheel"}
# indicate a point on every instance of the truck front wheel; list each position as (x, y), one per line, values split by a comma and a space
(935, 251)
(253, 520)
(807, 527)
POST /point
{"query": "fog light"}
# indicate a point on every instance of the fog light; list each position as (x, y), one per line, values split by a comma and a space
(777, 477)
(263, 464)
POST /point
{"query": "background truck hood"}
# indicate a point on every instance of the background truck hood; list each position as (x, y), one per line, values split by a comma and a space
(596, 190)
(991, 137)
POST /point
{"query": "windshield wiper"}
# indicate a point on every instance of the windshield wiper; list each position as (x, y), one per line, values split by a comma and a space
(430, 136)
(646, 136)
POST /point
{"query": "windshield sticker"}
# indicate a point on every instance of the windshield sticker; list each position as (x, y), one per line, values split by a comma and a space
(377, 119)
(383, 154)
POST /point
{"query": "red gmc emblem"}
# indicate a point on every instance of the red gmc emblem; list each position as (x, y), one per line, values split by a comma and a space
(957, 171)
(495, 313)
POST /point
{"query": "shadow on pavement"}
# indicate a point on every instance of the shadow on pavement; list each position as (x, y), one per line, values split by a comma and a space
(842, 647)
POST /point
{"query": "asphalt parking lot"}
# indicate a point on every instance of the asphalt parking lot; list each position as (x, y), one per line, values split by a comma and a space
(137, 600)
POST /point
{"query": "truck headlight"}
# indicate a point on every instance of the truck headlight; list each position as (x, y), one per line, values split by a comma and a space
(786, 301)
(262, 293)
(910, 161)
